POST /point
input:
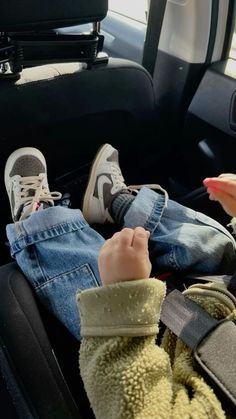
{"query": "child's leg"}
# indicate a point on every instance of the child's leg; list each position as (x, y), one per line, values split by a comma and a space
(57, 251)
(181, 239)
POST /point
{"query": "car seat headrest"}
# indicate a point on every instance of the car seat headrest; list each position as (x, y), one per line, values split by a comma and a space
(31, 15)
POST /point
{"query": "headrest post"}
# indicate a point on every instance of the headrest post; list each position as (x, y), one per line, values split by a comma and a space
(96, 28)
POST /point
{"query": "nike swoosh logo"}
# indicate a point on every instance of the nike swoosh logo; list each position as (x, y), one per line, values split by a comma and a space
(102, 180)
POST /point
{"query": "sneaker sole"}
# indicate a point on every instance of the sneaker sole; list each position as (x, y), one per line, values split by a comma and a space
(20, 152)
(92, 181)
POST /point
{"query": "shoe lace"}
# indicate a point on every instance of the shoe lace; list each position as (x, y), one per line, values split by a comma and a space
(118, 180)
(42, 194)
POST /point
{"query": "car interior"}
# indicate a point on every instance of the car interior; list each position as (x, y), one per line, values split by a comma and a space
(172, 118)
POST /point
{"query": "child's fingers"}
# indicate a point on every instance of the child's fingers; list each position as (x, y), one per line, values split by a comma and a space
(140, 239)
(106, 244)
(218, 195)
(115, 236)
(211, 193)
(112, 241)
(227, 201)
(224, 198)
(222, 184)
(126, 237)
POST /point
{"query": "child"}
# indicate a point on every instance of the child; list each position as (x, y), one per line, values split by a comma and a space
(126, 375)
(57, 250)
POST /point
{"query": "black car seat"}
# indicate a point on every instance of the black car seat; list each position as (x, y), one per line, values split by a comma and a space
(32, 384)
(67, 110)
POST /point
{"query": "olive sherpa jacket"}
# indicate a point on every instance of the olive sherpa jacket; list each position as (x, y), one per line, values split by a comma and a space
(125, 374)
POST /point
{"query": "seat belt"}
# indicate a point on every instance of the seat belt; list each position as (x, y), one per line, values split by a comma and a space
(213, 343)
(153, 33)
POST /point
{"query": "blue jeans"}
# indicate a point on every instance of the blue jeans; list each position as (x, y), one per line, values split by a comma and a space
(57, 250)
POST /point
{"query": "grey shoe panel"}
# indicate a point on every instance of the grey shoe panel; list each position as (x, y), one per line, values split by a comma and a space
(113, 157)
(27, 166)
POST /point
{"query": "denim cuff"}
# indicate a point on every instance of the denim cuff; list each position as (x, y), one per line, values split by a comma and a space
(43, 225)
(147, 209)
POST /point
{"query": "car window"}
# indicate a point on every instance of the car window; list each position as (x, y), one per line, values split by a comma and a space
(233, 45)
(134, 9)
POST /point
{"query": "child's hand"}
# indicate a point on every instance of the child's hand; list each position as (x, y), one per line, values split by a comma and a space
(223, 190)
(125, 256)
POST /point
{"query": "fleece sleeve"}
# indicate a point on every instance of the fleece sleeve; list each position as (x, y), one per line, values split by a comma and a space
(126, 375)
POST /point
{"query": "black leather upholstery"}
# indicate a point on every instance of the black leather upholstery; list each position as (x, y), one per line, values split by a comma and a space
(48, 94)
(28, 362)
(91, 105)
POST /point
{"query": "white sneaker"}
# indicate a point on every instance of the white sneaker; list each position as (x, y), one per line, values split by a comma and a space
(105, 182)
(26, 183)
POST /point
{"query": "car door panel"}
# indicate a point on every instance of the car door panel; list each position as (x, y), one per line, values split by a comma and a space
(208, 146)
